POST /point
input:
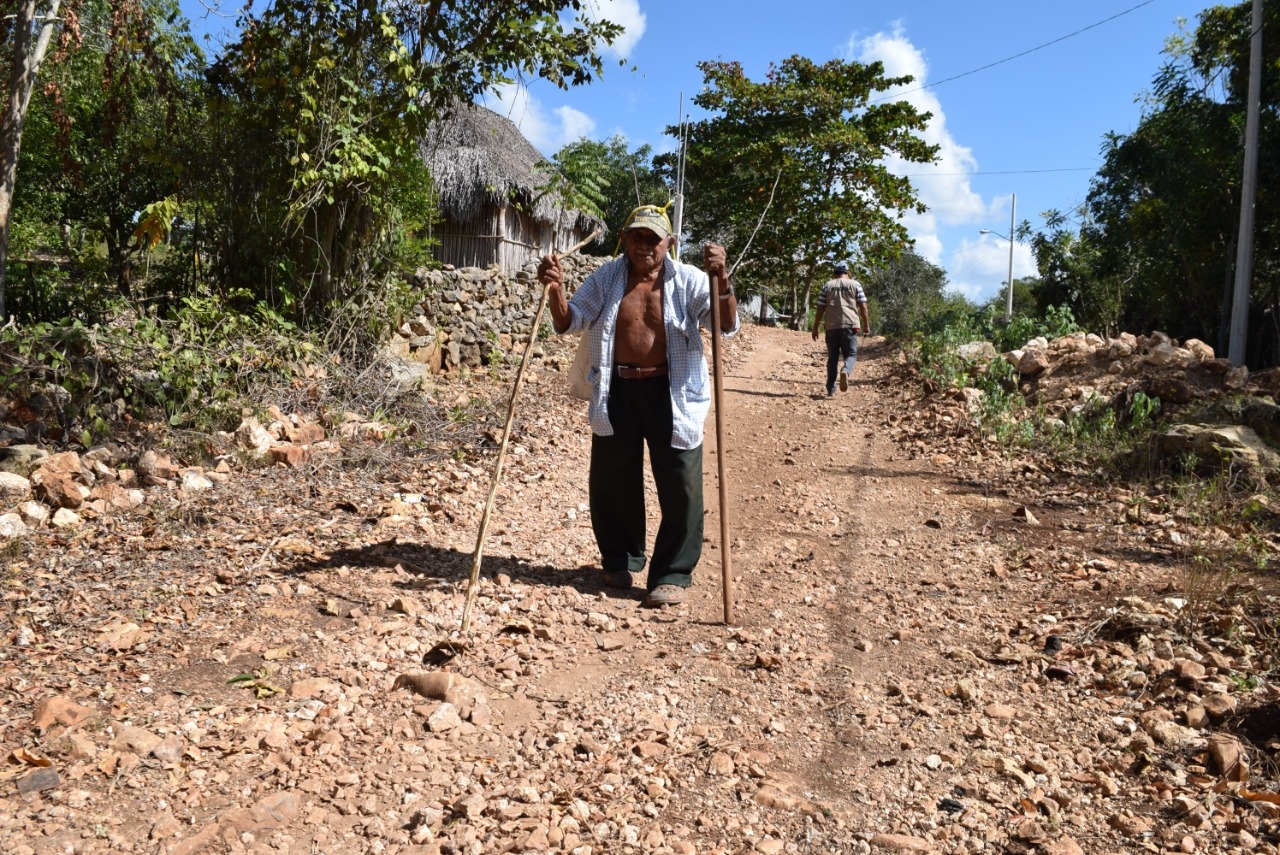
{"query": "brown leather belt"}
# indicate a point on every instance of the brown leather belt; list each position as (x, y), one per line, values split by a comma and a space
(640, 372)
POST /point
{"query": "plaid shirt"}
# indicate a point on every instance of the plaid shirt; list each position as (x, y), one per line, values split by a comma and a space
(838, 302)
(686, 305)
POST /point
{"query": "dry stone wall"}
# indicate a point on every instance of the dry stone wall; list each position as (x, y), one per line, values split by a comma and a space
(472, 316)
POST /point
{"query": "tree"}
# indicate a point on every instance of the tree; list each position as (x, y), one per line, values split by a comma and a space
(810, 144)
(622, 180)
(120, 116)
(1163, 210)
(905, 292)
(333, 98)
(26, 42)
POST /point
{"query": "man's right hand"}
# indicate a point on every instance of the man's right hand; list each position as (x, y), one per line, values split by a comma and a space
(549, 274)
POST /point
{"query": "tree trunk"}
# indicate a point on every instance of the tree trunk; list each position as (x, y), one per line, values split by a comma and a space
(29, 48)
(119, 256)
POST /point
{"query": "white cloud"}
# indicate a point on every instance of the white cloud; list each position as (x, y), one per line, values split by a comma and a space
(977, 264)
(980, 265)
(625, 13)
(944, 185)
(548, 131)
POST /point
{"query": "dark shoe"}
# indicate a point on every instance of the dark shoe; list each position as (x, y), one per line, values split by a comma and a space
(615, 578)
(844, 380)
(665, 595)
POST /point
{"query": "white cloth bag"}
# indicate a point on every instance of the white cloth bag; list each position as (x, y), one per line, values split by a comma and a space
(579, 385)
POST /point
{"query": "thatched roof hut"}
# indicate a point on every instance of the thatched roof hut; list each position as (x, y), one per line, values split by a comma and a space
(484, 171)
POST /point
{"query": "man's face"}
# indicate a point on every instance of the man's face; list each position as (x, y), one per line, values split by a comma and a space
(644, 248)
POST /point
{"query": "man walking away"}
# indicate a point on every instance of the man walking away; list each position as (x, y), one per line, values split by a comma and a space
(841, 305)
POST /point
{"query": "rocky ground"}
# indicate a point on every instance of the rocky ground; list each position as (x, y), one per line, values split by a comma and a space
(933, 648)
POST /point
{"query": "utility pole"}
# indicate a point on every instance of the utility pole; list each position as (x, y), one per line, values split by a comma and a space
(1013, 216)
(1248, 191)
(677, 213)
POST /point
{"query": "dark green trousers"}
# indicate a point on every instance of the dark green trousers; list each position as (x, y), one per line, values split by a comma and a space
(640, 412)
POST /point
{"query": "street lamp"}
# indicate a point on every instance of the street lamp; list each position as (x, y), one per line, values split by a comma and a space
(1013, 207)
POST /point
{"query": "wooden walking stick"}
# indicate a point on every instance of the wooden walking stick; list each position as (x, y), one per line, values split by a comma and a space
(726, 557)
(473, 584)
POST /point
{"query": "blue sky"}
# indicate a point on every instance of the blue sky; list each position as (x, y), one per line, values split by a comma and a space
(1032, 125)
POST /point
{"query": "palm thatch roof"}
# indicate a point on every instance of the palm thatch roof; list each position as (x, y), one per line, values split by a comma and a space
(479, 158)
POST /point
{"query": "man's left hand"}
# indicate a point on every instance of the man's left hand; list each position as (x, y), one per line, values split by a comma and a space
(713, 262)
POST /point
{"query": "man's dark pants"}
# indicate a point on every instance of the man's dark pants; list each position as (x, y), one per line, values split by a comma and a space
(841, 344)
(640, 412)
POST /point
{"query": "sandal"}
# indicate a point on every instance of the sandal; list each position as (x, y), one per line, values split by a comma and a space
(616, 578)
(665, 595)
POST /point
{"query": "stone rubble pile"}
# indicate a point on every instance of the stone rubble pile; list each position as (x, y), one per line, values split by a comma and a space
(1236, 421)
(1106, 367)
(65, 489)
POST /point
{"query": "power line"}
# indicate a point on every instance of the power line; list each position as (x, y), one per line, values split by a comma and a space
(1000, 172)
(1015, 56)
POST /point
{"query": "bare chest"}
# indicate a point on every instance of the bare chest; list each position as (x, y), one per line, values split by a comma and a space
(641, 335)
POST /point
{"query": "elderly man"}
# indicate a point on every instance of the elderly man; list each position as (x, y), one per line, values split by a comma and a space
(650, 386)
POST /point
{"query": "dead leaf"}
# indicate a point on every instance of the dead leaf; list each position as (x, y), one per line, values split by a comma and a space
(121, 635)
(28, 757)
(1270, 798)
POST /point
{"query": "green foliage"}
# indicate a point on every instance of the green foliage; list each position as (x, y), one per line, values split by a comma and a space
(1056, 322)
(1157, 246)
(810, 143)
(1142, 411)
(321, 109)
(110, 136)
(907, 290)
(613, 181)
(195, 370)
(107, 135)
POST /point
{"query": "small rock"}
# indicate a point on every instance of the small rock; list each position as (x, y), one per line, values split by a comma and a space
(1219, 706)
(66, 518)
(59, 710)
(195, 481)
(720, 764)
(1130, 826)
(1227, 757)
(314, 687)
(169, 750)
(444, 718)
(901, 843)
(39, 780)
(133, 739)
(1029, 831)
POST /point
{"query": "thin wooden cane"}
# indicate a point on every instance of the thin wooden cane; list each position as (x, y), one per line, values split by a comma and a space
(473, 583)
(726, 557)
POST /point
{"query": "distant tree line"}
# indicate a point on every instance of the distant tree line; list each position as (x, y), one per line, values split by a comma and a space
(1154, 245)
(284, 173)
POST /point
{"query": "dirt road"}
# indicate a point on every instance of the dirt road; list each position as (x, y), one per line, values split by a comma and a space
(916, 664)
